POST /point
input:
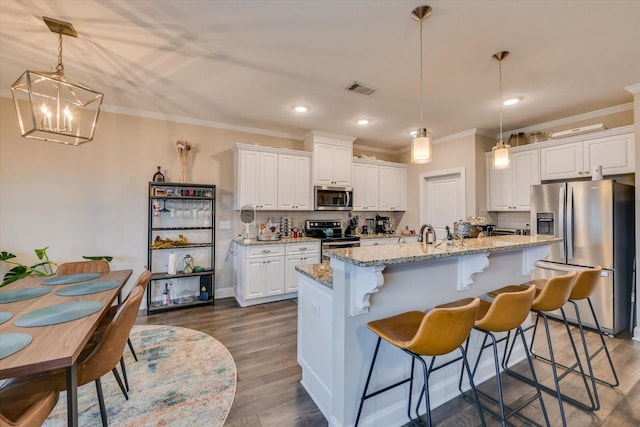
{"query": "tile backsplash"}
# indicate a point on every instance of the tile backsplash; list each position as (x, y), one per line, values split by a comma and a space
(513, 219)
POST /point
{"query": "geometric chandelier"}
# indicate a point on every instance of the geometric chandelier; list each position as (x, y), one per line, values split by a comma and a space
(52, 109)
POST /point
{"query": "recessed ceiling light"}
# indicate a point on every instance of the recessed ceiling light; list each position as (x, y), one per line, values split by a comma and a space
(364, 122)
(301, 109)
(511, 101)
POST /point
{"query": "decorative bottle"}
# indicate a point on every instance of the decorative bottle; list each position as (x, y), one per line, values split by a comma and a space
(166, 295)
(158, 176)
(188, 264)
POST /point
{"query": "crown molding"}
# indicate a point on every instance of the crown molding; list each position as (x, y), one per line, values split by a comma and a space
(634, 89)
(375, 149)
(186, 120)
(572, 119)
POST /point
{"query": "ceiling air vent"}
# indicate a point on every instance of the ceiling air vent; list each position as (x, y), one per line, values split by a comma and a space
(361, 89)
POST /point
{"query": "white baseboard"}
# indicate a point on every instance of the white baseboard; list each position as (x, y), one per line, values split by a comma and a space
(636, 333)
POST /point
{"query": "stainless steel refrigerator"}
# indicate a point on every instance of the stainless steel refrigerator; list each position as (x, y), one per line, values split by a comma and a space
(596, 221)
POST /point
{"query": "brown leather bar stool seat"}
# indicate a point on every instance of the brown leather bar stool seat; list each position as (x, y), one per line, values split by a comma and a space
(506, 314)
(553, 295)
(585, 285)
(437, 332)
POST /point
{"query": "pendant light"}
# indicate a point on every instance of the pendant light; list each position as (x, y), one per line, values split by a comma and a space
(501, 153)
(421, 144)
(49, 107)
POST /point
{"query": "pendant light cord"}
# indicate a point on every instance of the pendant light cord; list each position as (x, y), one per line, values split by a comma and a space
(500, 73)
(421, 82)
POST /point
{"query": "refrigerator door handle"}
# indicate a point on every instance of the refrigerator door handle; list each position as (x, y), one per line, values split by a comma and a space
(570, 224)
(560, 222)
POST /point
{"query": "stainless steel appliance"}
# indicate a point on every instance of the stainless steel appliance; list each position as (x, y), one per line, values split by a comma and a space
(333, 198)
(330, 232)
(596, 221)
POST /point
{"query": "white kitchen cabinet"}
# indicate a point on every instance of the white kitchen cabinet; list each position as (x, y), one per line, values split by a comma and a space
(294, 182)
(374, 242)
(510, 189)
(256, 179)
(331, 158)
(298, 254)
(260, 272)
(392, 188)
(390, 240)
(365, 186)
(577, 157)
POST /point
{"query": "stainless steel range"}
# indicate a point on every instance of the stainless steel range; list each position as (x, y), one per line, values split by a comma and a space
(330, 232)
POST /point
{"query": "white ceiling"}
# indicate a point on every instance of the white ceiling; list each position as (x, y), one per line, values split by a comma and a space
(247, 63)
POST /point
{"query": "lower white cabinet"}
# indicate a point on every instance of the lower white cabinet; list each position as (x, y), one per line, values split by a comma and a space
(298, 254)
(390, 240)
(266, 272)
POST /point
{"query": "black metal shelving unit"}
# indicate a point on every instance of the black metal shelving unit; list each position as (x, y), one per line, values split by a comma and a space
(168, 206)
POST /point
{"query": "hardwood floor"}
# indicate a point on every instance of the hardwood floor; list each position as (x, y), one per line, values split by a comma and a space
(262, 340)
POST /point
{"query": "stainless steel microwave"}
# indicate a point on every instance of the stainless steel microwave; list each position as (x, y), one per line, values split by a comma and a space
(333, 198)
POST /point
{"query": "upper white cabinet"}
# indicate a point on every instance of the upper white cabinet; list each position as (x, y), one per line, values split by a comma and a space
(365, 186)
(331, 160)
(392, 188)
(577, 157)
(509, 189)
(256, 179)
(271, 178)
(294, 182)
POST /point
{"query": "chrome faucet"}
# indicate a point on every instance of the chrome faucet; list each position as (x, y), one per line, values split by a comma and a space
(421, 235)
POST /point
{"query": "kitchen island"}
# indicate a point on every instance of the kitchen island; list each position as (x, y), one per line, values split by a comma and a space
(336, 301)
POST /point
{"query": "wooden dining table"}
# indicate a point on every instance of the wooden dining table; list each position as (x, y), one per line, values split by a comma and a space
(59, 345)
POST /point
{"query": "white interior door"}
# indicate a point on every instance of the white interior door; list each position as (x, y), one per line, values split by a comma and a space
(442, 199)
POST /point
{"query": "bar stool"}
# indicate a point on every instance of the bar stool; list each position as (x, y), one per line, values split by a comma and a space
(585, 285)
(552, 296)
(505, 314)
(437, 332)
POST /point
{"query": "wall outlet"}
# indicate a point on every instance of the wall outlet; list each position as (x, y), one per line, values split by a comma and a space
(224, 225)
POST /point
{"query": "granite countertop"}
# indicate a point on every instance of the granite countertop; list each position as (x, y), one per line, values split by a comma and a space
(322, 273)
(382, 236)
(254, 242)
(410, 252)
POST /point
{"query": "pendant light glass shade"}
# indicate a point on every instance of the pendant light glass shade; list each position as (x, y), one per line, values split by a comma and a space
(501, 156)
(421, 147)
(50, 108)
(421, 144)
(501, 153)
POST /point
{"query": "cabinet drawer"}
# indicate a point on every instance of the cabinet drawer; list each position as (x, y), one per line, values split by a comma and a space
(264, 250)
(375, 242)
(302, 248)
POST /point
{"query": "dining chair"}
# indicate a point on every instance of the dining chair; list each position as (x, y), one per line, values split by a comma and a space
(143, 281)
(96, 266)
(77, 267)
(30, 409)
(98, 359)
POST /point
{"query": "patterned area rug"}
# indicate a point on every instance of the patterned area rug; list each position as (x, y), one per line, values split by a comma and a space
(182, 378)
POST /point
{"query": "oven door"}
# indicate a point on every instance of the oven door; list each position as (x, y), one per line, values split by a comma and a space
(333, 198)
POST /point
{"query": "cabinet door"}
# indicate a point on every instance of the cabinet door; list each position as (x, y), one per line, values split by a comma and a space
(286, 181)
(254, 285)
(616, 154)
(248, 179)
(359, 186)
(526, 172)
(562, 161)
(274, 275)
(302, 183)
(323, 164)
(342, 158)
(371, 174)
(268, 181)
(400, 189)
(385, 188)
(500, 191)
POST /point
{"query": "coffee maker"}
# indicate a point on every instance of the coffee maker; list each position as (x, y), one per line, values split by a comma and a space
(383, 225)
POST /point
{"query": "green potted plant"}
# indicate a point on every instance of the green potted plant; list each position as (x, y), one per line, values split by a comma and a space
(43, 268)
